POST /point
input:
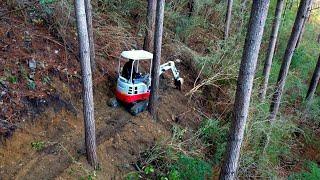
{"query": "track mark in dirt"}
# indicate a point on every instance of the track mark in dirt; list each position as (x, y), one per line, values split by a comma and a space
(55, 159)
(52, 161)
(113, 126)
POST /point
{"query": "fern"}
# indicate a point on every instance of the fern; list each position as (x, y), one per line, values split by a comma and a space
(190, 168)
(312, 174)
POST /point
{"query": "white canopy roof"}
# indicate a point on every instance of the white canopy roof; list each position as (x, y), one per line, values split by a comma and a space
(137, 55)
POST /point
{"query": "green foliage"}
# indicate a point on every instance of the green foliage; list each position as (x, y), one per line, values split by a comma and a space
(300, 57)
(214, 133)
(209, 129)
(13, 79)
(123, 7)
(313, 110)
(183, 24)
(190, 168)
(119, 12)
(174, 175)
(44, 2)
(173, 160)
(148, 170)
(9, 76)
(178, 132)
(313, 173)
(31, 84)
(91, 176)
(46, 80)
(132, 176)
(38, 145)
(266, 144)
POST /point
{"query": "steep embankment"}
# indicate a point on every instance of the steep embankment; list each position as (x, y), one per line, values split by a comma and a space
(43, 105)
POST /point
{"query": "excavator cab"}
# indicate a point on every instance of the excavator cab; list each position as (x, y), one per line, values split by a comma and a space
(133, 83)
(134, 79)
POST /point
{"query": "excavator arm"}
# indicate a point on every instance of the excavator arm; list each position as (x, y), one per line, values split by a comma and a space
(178, 81)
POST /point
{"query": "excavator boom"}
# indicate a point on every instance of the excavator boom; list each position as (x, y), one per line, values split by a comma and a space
(170, 65)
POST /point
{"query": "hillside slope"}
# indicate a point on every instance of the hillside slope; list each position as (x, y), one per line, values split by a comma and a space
(43, 105)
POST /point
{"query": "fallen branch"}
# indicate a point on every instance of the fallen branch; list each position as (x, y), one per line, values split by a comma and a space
(210, 81)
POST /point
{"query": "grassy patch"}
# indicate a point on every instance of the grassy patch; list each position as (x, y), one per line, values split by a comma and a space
(38, 145)
(312, 173)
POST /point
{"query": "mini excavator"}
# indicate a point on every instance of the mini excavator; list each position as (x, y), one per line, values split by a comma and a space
(133, 85)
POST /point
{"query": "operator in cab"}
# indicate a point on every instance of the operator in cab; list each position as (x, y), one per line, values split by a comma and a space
(136, 77)
(126, 71)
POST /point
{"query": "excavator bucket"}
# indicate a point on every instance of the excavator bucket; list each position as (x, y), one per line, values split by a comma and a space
(178, 83)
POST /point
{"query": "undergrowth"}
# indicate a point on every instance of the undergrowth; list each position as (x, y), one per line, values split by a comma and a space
(192, 154)
(267, 147)
(186, 155)
(312, 173)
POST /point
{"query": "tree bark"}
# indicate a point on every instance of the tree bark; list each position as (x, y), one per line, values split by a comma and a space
(297, 27)
(191, 7)
(314, 82)
(271, 49)
(88, 7)
(151, 18)
(248, 64)
(304, 23)
(88, 106)
(153, 102)
(228, 19)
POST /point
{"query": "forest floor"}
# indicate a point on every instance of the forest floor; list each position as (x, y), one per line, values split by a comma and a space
(41, 121)
(42, 134)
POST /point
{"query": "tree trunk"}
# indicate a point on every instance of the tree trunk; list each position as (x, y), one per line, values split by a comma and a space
(90, 33)
(153, 102)
(297, 27)
(88, 107)
(314, 82)
(191, 7)
(151, 18)
(304, 23)
(228, 19)
(271, 49)
(244, 87)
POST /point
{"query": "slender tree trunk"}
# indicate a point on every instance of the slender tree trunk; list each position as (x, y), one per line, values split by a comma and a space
(90, 33)
(304, 23)
(88, 106)
(153, 102)
(191, 7)
(314, 82)
(151, 18)
(271, 49)
(248, 64)
(297, 27)
(228, 19)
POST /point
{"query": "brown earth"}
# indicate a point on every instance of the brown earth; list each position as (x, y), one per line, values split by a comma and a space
(120, 137)
(52, 112)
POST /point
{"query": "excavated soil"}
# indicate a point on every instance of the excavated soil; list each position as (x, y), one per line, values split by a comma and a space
(52, 113)
(120, 138)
